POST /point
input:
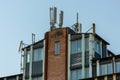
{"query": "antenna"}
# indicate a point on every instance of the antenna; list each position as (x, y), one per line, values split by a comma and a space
(61, 19)
(53, 18)
(77, 27)
(77, 18)
(33, 38)
(20, 46)
(92, 28)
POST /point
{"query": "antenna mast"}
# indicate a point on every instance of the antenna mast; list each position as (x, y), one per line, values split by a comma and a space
(61, 19)
(77, 27)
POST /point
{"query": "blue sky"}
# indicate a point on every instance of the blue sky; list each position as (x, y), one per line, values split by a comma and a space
(20, 18)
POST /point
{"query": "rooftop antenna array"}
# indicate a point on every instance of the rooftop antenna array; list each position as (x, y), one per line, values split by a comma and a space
(53, 18)
(77, 27)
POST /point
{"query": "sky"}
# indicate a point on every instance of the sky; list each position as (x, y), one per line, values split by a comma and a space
(20, 18)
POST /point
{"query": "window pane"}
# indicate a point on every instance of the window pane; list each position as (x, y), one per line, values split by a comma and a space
(28, 56)
(74, 75)
(109, 68)
(86, 44)
(57, 48)
(86, 72)
(97, 46)
(40, 52)
(37, 54)
(117, 67)
(76, 46)
(103, 69)
(79, 74)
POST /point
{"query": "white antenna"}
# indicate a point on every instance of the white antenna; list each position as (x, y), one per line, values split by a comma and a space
(61, 19)
(53, 17)
(21, 46)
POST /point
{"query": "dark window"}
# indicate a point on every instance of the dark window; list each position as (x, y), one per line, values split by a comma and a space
(87, 58)
(86, 44)
(12, 78)
(109, 78)
(94, 70)
(118, 77)
(103, 50)
(101, 78)
(57, 48)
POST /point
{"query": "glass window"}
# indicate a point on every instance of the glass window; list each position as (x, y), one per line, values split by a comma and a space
(13, 78)
(117, 67)
(37, 54)
(86, 44)
(106, 69)
(28, 56)
(104, 50)
(76, 74)
(97, 46)
(37, 78)
(103, 70)
(86, 72)
(57, 48)
(109, 68)
(76, 46)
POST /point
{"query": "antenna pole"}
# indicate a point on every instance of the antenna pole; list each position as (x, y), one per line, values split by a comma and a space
(33, 38)
(77, 17)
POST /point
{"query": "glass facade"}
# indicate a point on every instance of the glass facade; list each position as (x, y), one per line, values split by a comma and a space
(57, 48)
(76, 46)
(76, 74)
(37, 54)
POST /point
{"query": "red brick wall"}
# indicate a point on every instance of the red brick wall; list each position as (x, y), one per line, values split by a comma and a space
(56, 65)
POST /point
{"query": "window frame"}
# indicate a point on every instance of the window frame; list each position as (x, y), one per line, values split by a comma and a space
(57, 48)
